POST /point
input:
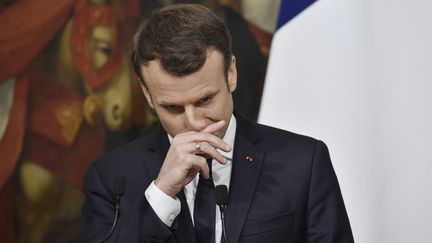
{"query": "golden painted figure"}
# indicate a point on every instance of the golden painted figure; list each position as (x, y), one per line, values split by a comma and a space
(68, 69)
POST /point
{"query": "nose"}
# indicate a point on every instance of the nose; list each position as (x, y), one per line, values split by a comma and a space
(194, 120)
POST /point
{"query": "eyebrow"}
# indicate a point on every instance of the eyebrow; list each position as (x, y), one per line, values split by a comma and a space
(210, 94)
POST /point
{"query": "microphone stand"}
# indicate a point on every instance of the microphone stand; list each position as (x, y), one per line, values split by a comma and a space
(221, 196)
(222, 209)
(118, 191)
(117, 207)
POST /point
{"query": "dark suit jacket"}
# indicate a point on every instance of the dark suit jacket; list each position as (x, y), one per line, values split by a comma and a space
(287, 193)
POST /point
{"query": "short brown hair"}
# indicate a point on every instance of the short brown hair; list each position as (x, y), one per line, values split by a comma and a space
(179, 35)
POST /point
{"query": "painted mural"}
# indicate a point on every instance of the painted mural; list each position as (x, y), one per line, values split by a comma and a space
(67, 95)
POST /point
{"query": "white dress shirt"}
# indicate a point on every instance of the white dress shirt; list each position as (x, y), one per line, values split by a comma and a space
(168, 208)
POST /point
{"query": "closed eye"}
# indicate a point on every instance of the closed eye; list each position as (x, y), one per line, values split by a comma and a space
(173, 108)
(204, 101)
(104, 47)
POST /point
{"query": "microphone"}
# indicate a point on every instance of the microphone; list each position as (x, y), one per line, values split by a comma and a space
(118, 191)
(221, 197)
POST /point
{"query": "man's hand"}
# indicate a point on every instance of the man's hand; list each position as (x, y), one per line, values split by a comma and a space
(182, 163)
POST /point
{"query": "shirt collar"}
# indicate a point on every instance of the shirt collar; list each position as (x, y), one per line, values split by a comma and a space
(229, 138)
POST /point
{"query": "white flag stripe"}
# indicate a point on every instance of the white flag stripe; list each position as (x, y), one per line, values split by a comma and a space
(358, 75)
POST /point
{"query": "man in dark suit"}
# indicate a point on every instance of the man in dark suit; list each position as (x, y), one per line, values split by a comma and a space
(282, 187)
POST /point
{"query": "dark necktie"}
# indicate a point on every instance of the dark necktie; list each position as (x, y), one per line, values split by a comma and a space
(204, 211)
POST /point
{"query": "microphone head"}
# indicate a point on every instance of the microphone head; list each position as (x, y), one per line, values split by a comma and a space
(221, 195)
(119, 186)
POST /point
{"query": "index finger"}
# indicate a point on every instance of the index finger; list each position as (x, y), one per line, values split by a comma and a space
(214, 127)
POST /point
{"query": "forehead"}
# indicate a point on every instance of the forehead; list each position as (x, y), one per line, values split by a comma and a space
(165, 87)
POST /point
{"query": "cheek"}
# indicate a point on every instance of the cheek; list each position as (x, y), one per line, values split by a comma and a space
(172, 124)
(221, 109)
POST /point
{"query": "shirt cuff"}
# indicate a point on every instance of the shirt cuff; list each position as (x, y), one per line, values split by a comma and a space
(165, 207)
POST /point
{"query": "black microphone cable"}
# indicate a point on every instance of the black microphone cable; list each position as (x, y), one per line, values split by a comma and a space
(221, 197)
(118, 191)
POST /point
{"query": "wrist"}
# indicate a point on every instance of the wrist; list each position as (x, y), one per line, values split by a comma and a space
(165, 189)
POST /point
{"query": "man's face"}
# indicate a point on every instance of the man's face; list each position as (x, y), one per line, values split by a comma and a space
(194, 101)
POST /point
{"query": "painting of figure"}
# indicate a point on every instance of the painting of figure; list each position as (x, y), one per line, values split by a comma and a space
(67, 95)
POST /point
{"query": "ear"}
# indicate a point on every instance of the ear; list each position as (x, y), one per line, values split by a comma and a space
(147, 95)
(232, 75)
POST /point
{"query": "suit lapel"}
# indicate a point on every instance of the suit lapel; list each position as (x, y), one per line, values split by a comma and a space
(247, 162)
(158, 148)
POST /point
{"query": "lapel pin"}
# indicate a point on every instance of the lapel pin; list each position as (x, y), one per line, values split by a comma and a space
(249, 158)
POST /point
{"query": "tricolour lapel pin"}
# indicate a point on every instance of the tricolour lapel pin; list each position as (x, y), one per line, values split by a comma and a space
(249, 158)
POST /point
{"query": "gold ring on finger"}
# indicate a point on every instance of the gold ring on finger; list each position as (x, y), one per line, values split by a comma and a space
(198, 148)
